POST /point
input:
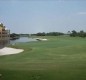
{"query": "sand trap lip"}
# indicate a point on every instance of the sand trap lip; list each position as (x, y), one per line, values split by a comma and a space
(9, 51)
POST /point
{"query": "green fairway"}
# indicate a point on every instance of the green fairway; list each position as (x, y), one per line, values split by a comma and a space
(59, 58)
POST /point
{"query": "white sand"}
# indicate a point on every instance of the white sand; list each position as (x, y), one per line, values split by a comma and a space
(9, 51)
(41, 39)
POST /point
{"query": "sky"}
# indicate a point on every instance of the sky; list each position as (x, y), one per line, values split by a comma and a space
(33, 16)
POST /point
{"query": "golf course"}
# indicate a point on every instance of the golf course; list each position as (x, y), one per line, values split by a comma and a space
(58, 58)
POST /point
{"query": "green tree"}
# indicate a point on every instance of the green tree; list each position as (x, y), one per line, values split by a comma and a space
(74, 33)
(1, 24)
(82, 34)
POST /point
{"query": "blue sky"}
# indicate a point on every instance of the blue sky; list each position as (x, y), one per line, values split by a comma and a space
(32, 16)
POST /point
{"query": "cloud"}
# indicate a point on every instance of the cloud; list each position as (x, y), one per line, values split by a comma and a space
(81, 13)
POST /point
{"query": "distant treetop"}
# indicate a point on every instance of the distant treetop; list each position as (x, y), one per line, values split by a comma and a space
(1, 25)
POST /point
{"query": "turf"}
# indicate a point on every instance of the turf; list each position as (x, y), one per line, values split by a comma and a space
(59, 58)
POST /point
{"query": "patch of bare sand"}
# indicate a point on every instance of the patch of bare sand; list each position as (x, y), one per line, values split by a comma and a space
(9, 51)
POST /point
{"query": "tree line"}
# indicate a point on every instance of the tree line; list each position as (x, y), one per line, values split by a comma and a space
(70, 33)
(14, 36)
(48, 34)
(77, 34)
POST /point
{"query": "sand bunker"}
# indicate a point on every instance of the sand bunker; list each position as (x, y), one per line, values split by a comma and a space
(9, 51)
(41, 39)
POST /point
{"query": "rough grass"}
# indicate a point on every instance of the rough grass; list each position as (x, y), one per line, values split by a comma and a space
(59, 58)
